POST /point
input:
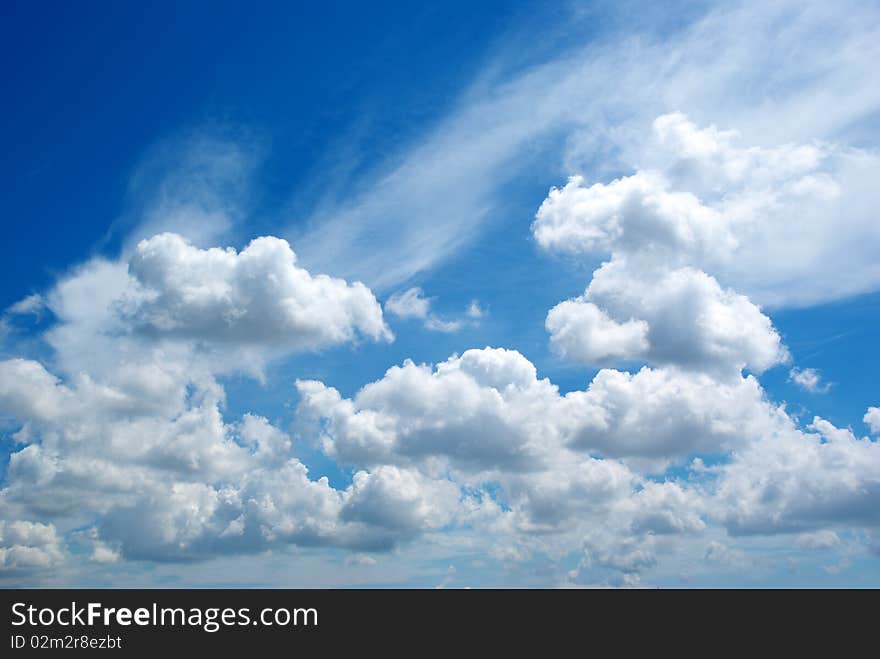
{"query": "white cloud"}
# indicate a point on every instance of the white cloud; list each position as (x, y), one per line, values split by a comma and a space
(668, 414)
(699, 199)
(582, 331)
(415, 412)
(361, 560)
(256, 296)
(872, 419)
(823, 539)
(399, 499)
(173, 308)
(808, 379)
(31, 304)
(28, 545)
(652, 301)
(475, 311)
(796, 481)
(487, 410)
(179, 482)
(412, 303)
(732, 64)
(439, 325)
(681, 316)
(477, 447)
(475, 415)
(133, 433)
(102, 553)
(708, 203)
(720, 554)
(124, 430)
(634, 214)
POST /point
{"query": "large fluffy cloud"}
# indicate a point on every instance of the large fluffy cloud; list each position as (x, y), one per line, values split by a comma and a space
(762, 219)
(573, 467)
(28, 546)
(797, 481)
(182, 307)
(128, 432)
(487, 411)
(180, 482)
(681, 316)
(256, 296)
(478, 444)
(701, 208)
(701, 204)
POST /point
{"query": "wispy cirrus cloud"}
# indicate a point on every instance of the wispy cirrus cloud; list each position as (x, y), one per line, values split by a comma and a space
(780, 73)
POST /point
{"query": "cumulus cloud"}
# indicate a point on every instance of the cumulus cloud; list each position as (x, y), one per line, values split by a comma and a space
(680, 316)
(582, 331)
(797, 481)
(700, 199)
(476, 446)
(180, 482)
(634, 214)
(818, 539)
(416, 412)
(28, 545)
(487, 410)
(563, 460)
(718, 553)
(564, 466)
(872, 419)
(704, 201)
(402, 500)
(130, 430)
(170, 307)
(256, 296)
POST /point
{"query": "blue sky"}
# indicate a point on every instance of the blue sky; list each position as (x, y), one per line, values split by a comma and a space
(706, 414)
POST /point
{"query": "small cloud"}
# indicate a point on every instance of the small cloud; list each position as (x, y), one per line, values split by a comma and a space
(438, 325)
(412, 303)
(823, 539)
(360, 560)
(101, 553)
(720, 554)
(808, 379)
(32, 304)
(872, 419)
(475, 311)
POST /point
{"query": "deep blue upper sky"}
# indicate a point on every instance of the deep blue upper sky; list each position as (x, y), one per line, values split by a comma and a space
(90, 87)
